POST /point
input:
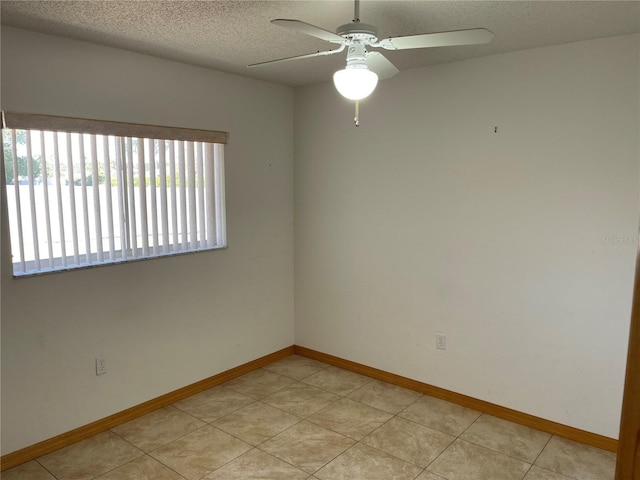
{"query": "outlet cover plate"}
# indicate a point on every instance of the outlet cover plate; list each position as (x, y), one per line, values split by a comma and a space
(101, 364)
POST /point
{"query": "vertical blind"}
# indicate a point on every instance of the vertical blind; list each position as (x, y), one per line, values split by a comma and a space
(85, 192)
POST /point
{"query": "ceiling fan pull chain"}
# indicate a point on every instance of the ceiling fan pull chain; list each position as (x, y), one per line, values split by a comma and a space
(356, 118)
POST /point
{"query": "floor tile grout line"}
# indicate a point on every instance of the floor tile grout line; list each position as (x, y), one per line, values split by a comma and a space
(527, 472)
(318, 469)
(193, 431)
(280, 459)
(438, 456)
(183, 436)
(234, 411)
(340, 396)
(164, 464)
(210, 422)
(422, 470)
(165, 443)
(456, 438)
(416, 423)
(143, 453)
(253, 447)
(167, 466)
(545, 446)
(495, 451)
(295, 378)
(471, 424)
(545, 468)
(390, 454)
(251, 444)
(339, 455)
(46, 469)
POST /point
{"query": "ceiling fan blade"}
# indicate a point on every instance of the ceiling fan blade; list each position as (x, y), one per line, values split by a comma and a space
(443, 39)
(379, 64)
(298, 57)
(308, 29)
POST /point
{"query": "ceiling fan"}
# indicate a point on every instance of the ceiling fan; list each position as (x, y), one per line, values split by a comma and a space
(364, 67)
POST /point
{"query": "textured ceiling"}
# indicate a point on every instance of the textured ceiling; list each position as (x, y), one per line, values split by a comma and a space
(228, 35)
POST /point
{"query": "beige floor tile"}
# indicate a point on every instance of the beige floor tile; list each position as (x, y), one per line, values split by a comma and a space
(256, 423)
(577, 461)
(301, 399)
(439, 414)
(362, 462)
(409, 441)
(307, 446)
(89, 458)
(214, 403)
(201, 452)
(143, 468)
(337, 380)
(259, 383)
(384, 396)
(537, 473)
(466, 461)
(257, 465)
(27, 471)
(350, 418)
(296, 367)
(506, 437)
(157, 428)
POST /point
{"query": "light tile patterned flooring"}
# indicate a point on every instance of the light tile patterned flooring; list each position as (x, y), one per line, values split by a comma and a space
(301, 419)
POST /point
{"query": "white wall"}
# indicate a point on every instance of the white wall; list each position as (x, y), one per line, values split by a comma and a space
(163, 323)
(421, 220)
(424, 220)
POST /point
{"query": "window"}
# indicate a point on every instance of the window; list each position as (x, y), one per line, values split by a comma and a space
(86, 192)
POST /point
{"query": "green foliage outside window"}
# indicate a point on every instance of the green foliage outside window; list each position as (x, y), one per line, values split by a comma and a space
(23, 167)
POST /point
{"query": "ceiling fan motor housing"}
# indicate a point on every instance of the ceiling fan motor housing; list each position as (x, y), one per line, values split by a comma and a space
(360, 32)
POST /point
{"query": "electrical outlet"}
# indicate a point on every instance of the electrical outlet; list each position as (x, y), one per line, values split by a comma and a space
(441, 341)
(101, 364)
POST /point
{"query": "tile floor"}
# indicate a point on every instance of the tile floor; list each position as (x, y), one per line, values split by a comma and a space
(301, 419)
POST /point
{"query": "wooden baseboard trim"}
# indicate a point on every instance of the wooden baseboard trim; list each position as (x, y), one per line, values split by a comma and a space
(47, 446)
(571, 433)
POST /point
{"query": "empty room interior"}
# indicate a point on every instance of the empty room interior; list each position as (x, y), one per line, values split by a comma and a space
(488, 200)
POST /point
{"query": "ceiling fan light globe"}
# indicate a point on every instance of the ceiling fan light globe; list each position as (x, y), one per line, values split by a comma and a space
(355, 83)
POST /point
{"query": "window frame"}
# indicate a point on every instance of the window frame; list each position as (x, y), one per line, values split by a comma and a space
(123, 130)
